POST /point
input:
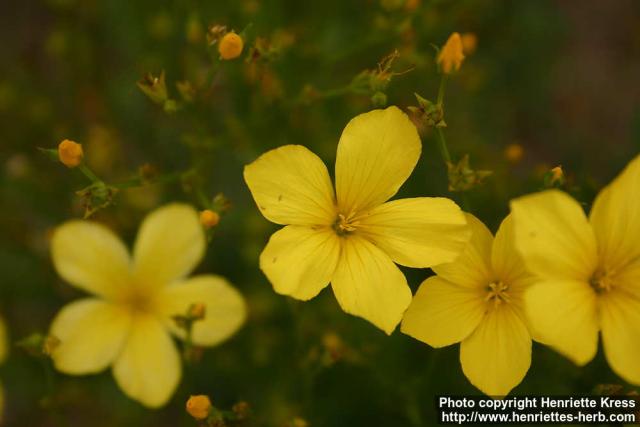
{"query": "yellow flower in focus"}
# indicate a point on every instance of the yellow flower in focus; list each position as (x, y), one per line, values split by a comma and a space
(353, 236)
(199, 406)
(451, 55)
(70, 153)
(588, 271)
(209, 218)
(477, 301)
(126, 324)
(230, 46)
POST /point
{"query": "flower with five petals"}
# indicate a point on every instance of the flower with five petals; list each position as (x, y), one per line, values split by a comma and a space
(353, 236)
(127, 322)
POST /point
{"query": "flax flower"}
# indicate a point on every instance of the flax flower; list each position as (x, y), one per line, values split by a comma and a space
(588, 271)
(477, 301)
(352, 237)
(127, 321)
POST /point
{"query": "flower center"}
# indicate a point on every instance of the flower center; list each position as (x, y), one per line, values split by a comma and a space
(602, 281)
(345, 223)
(138, 300)
(498, 293)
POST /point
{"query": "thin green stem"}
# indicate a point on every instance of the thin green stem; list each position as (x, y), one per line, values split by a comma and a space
(441, 90)
(442, 145)
(89, 174)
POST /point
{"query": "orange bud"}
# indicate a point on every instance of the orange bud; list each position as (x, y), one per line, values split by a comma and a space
(451, 55)
(230, 46)
(209, 218)
(199, 406)
(70, 153)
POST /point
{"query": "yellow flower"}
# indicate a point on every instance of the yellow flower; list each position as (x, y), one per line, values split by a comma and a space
(199, 406)
(209, 218)
(588, 271)
(70, 153)
(230, 46)
(352, 238)
(477, 301)
(451, 55)
(126, 323)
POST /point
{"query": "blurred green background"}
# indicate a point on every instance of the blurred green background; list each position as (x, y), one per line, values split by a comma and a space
(559, 79)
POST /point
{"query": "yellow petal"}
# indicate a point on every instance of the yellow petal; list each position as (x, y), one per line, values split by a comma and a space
(442, 313)
(299, 261)
(620, 321)
(4, 349)
(369, 285)
(170, 244)
(89, 256)
(554, 237)
(291, 185)
(563, 314)
(473, 267)
(91, 334)
(505, 259)
(225, 309)
(497, 356)
(616, 218)
(148, 369)
(376, 154)
(419, 232)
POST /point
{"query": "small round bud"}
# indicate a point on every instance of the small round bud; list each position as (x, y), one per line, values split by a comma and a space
(70, 153)
(469, 43)
(514, 153)
(199, 406)
(209, 218)
(230, 46)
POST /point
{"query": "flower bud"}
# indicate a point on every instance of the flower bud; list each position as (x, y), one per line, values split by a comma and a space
(70, 153)
(199, 406)
(197, 311)
(230, 46)
(469, 43)
(209, 218)
(154, 87)
(451, 55)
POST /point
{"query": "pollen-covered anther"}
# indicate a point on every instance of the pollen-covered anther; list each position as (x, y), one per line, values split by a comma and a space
(498, 293)
(346, 223)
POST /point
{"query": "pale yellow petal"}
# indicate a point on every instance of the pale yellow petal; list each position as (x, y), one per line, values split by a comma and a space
(442, 313)
(91, 334)
(170, 244)
(616, 218)
(553, 235)
(497, 356)
(89, 256)
(473, 267)
(148, 368)
(368, 284)
(620, 322)
(376, 154)
(225, 308)
(419, 232)
(505, 259)
(299, 261)
(563, 314)
(291, 185)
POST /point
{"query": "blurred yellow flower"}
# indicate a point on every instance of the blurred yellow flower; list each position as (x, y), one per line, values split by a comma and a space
(469, 43)
(70, 153)
(352, 237)
(126, 323)
(477, 301)
(199, 406)
(451, 55)
(514, 153)
(588, 271)
(230, 46)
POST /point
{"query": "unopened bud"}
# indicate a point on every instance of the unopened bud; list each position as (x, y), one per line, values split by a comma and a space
(230, 46)
(209, 218)
(451, 55)
(70, 153)
(197, 311)
(199, 406)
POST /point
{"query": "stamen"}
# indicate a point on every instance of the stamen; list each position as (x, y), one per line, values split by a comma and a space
(345, 223)
(498, 292)
(602, 281)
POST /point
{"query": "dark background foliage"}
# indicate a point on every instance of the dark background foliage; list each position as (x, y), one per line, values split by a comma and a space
(557, 78)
